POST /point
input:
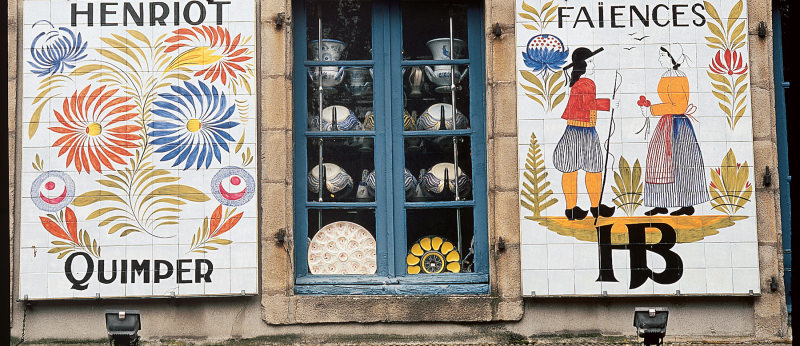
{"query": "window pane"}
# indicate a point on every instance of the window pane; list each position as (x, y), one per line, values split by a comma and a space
(346, 164)
(428, 97)
(346, 98)
(346, 29)
(426, 29)
(431, 160)
(433, 241)
(344, 243)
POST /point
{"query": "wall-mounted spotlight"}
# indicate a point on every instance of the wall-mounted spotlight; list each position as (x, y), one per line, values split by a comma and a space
(651, 324)
(123, 326)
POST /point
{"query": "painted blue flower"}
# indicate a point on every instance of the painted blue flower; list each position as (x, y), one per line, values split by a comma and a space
(192, 125)
(545, 53)
(55, 50)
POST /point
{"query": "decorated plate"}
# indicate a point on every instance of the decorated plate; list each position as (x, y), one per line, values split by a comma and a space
(342, 247)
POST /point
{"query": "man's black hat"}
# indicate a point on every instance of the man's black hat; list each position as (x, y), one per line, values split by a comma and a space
(581, 54)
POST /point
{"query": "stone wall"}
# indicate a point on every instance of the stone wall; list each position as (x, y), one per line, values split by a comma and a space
(721, 318)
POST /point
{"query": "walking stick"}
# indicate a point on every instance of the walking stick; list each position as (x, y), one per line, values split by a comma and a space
(608, 143)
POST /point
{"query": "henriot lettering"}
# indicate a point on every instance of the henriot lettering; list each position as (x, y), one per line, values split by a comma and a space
(114, 13)
(661, 14)
(161, 269)
(637, 250)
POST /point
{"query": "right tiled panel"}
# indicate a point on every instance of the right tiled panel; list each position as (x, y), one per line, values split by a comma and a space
(635, 148)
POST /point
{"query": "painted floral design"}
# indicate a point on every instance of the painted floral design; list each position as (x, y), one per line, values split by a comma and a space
(52, 191)
(64, 226)
(93, 128)
(728, 69)
(55, 50)
(192, 124)
(545, 53)
(207, 235)
(233, 186)
(728, 62)
(211, 46)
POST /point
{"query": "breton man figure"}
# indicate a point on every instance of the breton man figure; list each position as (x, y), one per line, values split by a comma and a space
(579, 146)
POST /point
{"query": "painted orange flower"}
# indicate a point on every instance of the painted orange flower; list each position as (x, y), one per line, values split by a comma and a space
(94, 129)
(209, 45)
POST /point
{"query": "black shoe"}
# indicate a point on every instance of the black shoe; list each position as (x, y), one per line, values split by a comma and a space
(683, 211)
(605, 211)
(656, 211)
(576, 213)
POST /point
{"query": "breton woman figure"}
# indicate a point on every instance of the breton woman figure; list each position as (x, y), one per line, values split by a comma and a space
(674, 171)
(579, 146)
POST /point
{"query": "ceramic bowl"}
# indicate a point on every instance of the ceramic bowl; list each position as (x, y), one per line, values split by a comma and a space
(336, 179)
(431, 119)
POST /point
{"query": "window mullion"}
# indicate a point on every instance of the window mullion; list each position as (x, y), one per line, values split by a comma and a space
(383, 77)
(397, 147)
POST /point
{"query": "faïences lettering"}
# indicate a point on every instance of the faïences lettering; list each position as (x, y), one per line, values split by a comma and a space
(79, 268)
(622, 16)
(157, 13)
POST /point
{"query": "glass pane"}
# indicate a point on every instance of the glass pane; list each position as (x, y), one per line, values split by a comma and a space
(341, 241)
(346, 29)
(346, 98)
(433, 241)
(431, 159)
(426, 29)
(428, 97)
(346, 166)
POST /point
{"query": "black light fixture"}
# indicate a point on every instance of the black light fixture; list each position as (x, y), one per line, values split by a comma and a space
(651, 324)
(123, 326)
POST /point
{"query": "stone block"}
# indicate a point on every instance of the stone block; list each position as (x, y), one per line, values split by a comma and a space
(763, 110)
(12, 49)
(501, 11)
(269, 11)
(273, 51)
(276, 103)
(276, 156)
(12, 104)
(766, 214)
(504, 97)
(760, 61)
(275, 309)
(504, 153)
(765, 153)
(503, 60)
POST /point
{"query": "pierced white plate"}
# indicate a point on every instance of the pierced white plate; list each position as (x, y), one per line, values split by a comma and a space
(342, 247)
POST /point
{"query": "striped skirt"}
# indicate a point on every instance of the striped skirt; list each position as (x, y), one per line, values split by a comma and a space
(578, 149)
(681, 180)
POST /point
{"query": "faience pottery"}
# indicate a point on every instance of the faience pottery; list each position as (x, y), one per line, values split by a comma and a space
(339, 118)
(439, 180)
(336, 180)
(342, 247)
(431, 119)
(409, 182)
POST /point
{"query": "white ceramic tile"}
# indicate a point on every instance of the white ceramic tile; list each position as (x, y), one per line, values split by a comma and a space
(720, 280)
(693, 281)
(585, 282)
(561, 282)
(746, 279)
(534, 282)
(535, 257)
(244, 279)
(560, 256)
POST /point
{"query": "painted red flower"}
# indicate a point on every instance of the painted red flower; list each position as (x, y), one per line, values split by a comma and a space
(209, 45)
(94, 129)
(728, 62)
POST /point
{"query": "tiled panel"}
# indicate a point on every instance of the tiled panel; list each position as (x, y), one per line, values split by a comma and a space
(697, 151)
(107, 185)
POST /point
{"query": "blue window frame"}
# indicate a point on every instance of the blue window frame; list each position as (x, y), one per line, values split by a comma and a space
(388, 39)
